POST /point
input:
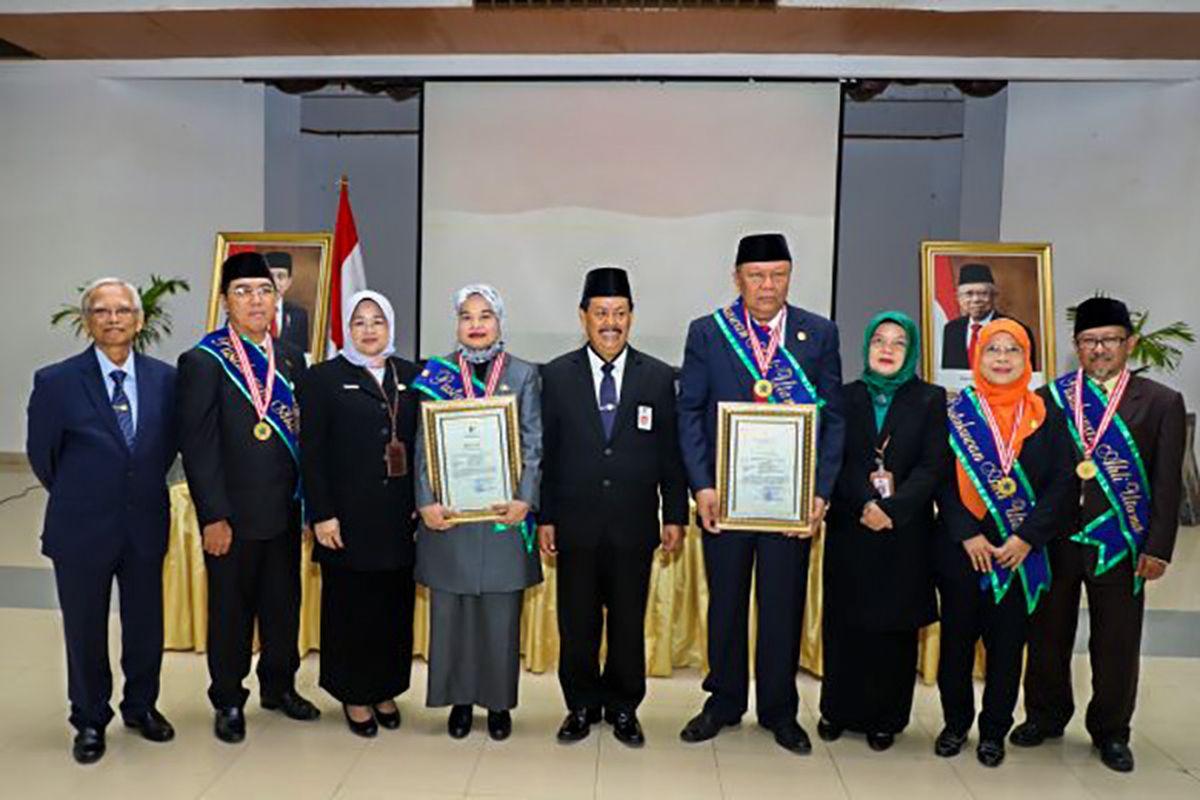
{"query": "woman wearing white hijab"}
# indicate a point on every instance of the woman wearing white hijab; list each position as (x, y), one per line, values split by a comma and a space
(477, 571)
(360, 418)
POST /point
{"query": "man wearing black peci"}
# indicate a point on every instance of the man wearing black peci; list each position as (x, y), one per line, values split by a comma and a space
(238, 434)
(611, 451)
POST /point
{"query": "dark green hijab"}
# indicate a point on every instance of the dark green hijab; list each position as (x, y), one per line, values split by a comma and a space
(883, 388)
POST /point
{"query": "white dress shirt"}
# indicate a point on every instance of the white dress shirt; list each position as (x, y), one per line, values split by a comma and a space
(598, 373)
(129, 384)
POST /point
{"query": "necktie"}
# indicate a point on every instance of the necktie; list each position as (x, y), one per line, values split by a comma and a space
(971, 342)
(121, 407)
(608, 400)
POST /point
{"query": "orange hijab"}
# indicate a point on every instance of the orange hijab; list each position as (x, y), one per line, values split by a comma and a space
(1004, 402)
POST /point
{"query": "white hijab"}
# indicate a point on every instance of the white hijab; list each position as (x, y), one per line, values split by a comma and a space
(493, 299)
(349, 352)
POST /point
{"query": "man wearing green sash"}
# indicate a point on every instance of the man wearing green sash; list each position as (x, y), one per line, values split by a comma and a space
(1128, 433)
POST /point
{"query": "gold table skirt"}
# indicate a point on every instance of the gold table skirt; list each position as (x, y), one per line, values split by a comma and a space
(676, 635)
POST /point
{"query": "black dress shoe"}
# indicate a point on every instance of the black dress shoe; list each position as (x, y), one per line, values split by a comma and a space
(230, 725)
(499, 725)
(459, 724)
(576, 726)
(880, 741)
(89, 745)
(949, 743)
(1031, 734)
(828, 731)
(790, 736)
(366, 729)
(152, 725)
(990, 752)
(626, 728)
(1116, 755)
(701, 728)
(388, 719)
(293, 706)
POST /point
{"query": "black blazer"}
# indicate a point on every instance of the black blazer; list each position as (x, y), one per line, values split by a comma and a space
(1048, 460)
(346, 427)
(596, 491)
(293, 328)
(231, 475)
(954, 342)
(884, 581)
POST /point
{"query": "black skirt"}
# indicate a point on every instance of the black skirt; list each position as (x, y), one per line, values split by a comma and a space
(869, 677)
(366, 633)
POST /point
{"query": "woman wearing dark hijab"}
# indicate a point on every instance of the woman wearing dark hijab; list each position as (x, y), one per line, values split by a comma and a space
(878, 577)
(360, 418)
(1012, 486)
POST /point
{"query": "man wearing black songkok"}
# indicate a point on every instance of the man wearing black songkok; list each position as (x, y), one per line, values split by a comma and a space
(977, 297)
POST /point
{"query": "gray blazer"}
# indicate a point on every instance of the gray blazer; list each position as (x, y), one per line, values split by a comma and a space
(473, 557)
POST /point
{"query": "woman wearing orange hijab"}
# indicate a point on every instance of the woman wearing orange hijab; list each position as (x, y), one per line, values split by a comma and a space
(1014, 480)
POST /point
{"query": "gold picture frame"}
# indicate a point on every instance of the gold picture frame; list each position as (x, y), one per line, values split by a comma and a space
(774, 420)
(1023, 289)
(308, 297)
(434, 418)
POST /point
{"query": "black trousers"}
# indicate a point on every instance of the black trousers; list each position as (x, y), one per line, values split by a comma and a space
(779, 566)
(592, 581)
(255, 580)
(870, 677)
(1114, 644)
(84, 595)
(366, 633)
(969, 613)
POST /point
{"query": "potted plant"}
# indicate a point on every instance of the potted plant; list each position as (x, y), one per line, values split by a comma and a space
(157, 320)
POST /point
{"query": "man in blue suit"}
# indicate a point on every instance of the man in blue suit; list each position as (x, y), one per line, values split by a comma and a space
(101, 438)
(792, 357)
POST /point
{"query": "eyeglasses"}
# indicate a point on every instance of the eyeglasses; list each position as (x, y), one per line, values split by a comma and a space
(1000, 350)
(1100, 342)
(362, 323)
(246, 292)
(881, 343)
(976, 294)
(123, 312)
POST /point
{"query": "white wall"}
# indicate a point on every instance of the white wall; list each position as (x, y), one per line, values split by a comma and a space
(114, 177)
(1110, 174)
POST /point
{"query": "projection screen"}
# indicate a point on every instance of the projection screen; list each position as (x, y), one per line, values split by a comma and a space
(528, 185)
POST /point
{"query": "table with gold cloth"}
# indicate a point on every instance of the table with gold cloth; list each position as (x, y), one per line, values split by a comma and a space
(675, 612)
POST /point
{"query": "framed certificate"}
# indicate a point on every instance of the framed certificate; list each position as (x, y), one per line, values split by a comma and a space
(473, 449)
(766, 466)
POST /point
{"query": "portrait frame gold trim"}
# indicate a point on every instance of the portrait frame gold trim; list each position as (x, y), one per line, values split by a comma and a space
(320, 311)
(726, 415)
(507, 404)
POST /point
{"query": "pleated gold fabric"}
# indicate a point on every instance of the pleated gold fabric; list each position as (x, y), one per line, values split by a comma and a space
(676, 635)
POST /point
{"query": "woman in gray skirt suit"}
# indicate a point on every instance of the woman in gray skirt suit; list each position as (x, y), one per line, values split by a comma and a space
(477, 571)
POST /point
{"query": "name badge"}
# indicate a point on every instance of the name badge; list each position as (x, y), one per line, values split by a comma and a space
(645, 418)
(350, 386)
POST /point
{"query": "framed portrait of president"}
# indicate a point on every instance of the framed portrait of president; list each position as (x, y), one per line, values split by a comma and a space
(301, 264)
(964, 286)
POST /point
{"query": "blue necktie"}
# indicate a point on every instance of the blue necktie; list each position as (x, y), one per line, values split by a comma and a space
(608, 400)
(121, 407)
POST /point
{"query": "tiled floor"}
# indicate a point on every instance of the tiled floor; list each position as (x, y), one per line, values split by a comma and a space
(295, 760)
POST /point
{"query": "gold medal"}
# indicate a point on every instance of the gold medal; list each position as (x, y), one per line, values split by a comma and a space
(1087, 470)
(763, 388)
(1005, 487)
(262, 431)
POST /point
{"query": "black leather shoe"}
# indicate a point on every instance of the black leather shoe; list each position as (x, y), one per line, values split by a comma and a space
(828, 731)
(459, 724)
(626, 728)
(701, 728)
(89, 745)
(230, 725)
(1031, 734)
(499, 725)
(576, 726)
(1116, 755)
(949, 743)
(293, 706)
(790, 736)
(990, 752)
(388, 719)
(152, 725)
(880, 741)
(366, 729)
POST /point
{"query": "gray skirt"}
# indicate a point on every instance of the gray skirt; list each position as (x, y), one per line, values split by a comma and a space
(474, 649)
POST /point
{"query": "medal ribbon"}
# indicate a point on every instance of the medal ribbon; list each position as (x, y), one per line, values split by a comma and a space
(1006, 450)
(979, 457)
(789, 382)
(761, 358)
(260, 395)
(1110, 411)
(493, 376)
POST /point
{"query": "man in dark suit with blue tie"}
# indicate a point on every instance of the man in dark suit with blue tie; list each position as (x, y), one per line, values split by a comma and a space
(792, 357)
(101, 438)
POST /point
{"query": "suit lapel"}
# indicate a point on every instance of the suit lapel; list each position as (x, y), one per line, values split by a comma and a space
(367, 382)
(97, 393)
(147, 411)
(630, 384)
(585, 393)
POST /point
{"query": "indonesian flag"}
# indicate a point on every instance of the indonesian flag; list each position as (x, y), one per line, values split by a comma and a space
(348, 274)
(945, 298)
